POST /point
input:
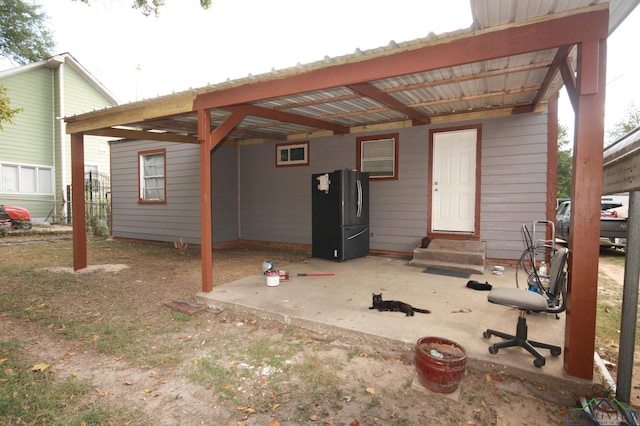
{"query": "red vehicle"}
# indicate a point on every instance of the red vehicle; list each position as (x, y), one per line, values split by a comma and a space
(12, 217)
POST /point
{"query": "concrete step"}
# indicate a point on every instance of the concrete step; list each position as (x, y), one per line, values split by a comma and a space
(448, 266)
(452, 255)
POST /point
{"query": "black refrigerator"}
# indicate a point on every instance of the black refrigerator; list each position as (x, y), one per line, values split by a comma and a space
(340, 214)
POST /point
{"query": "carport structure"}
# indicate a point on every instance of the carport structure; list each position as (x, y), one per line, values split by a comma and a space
(513, 60)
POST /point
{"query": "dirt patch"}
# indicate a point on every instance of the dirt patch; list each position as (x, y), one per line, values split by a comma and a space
(114, 330)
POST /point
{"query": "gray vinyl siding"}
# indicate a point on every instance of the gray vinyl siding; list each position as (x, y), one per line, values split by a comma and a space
(275, 202)
(224, 188)
(179, 217)
(255, 200)
(514, 181)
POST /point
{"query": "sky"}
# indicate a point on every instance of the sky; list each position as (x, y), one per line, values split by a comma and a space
(137, 57)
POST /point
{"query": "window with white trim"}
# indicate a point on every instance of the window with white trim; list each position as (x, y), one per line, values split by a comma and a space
(292, 154)
(152, 167)
(26, 179)
(378, 156)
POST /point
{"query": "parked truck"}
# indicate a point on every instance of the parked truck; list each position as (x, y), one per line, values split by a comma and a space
(613, 226)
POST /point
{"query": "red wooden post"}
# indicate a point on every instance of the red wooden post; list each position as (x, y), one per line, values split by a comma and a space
(77, 202)
(206, 239)
(586, 192)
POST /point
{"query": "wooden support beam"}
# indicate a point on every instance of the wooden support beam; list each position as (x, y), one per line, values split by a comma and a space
(208, 141)
(584, 228)
(552, 159)
(164, 106)
(142, 135)
(206, 237)
(286, 117)
(569, 79)
(554, 68)
(77, 202)
(369, 91)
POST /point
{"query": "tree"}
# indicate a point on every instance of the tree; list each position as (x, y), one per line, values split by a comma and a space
(148, 7)
(629, 121)
(24, 36)
(563, 170)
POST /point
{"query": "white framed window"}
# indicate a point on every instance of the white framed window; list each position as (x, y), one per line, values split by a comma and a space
(26, 179)
(152, 172)
(292, 154)
(378, 156)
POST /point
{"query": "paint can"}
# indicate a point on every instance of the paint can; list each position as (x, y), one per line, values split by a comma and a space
(267, 265)
(284, 275)
(273, 278)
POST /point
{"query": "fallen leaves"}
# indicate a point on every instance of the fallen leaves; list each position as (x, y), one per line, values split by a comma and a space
(246, 410)
(101, 392)
(40, 367)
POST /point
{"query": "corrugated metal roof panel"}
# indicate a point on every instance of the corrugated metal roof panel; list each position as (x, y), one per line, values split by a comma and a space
(498, 83)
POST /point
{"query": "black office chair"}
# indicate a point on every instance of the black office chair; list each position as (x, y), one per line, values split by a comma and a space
(539, 298)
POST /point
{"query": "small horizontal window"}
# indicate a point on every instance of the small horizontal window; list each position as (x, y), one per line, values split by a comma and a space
(295, 154)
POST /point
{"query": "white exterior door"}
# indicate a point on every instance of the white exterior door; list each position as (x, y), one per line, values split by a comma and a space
(453, 183)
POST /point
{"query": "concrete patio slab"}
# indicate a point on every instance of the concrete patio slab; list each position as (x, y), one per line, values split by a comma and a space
(340, 304)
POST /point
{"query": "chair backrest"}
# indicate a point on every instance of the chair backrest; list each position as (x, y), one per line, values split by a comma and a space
(558, 279)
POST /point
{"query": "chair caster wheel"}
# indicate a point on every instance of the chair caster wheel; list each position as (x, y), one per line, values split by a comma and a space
(556, 351)
(486, 334)
(539, 362)
(493, 349)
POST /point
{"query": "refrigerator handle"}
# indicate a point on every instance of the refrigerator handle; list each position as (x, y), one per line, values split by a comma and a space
(359, 209)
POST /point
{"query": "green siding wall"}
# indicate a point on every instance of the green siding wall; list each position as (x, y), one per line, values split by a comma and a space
(29, 140)
(36, 138)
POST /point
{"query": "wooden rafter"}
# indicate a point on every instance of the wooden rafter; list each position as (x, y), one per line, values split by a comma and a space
(422, 85)
(289, 118)
(143, 135)
(374, 93)
(433, 103)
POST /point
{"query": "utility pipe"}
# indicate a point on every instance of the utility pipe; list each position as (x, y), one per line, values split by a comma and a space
(629, 300)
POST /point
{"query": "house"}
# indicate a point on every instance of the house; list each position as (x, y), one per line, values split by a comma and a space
(35, 155)
(479, 104)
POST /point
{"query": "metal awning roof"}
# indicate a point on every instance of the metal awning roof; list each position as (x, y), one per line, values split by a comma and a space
(398, 85)
(513, 59)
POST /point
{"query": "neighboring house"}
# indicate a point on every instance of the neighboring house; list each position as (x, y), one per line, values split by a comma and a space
(35, 159)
